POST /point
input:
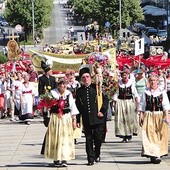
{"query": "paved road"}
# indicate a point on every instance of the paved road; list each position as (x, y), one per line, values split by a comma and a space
(20, 146)
(59, 26)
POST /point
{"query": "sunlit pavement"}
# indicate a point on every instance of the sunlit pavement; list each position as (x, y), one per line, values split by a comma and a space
(20, 147)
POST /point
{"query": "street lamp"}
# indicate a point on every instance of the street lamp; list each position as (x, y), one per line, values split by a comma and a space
(33, 31)
(120, 19)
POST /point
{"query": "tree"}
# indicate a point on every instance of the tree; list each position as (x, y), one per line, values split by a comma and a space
(88, 9)
(108, 10)
(20, 12)
(3, 58)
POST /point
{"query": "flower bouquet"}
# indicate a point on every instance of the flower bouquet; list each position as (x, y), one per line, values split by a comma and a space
(110, 85)
(46, 102)
(97, 57)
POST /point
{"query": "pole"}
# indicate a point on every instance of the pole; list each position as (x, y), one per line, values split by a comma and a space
(33, 31)
(120, 19)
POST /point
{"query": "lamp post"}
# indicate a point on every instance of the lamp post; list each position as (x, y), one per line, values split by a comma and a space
(33, 31)
(120, 19)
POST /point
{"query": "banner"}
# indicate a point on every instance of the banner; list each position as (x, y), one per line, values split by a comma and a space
(61, 62)
(153, 61)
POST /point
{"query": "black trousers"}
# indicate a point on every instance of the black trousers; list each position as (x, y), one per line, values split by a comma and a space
(94, 138)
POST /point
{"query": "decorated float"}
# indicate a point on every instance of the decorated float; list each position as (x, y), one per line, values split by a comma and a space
(70, 56)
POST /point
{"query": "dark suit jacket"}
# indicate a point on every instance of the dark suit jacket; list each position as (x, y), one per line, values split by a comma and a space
(89, 111)
(45, 81)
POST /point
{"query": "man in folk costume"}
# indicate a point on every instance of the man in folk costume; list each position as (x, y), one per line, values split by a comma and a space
(154, 120)
(127, 100)
(93, 117)
(46, 79)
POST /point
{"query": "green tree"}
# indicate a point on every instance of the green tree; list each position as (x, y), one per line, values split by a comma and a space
(108, 10)
(20, 12)
(88, 9)
(3, 58)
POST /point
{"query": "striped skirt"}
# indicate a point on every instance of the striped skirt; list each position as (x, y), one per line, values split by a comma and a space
(59, 144)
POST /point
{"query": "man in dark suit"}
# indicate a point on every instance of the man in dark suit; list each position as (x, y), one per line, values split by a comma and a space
(46, 79)
(93, 118)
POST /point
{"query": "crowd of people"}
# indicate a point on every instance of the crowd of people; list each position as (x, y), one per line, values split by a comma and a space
(141, 103)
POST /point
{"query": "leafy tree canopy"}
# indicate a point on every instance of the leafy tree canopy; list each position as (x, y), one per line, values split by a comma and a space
(20, 12)
(108, 10)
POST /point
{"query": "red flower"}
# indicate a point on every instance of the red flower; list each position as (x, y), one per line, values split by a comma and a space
(16, 87)
(61, 104)
(46, 103)
(91, 60)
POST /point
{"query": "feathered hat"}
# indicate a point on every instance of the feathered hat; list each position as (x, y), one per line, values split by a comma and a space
(45, 67)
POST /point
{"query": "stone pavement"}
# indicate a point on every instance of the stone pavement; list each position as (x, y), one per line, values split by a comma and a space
(20, 147)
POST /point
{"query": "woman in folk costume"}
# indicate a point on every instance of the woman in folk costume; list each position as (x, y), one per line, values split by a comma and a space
(2, 92)
(16, 99)
(153, 107)
(126, 105)
(27, 99)
(2, 100)
(73, 85)
(59, 143)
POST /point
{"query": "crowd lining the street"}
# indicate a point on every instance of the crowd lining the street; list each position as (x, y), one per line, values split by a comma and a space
(142, 99)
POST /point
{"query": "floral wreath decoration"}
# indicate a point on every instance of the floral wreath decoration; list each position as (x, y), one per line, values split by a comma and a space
(100, 58)
(109, 83)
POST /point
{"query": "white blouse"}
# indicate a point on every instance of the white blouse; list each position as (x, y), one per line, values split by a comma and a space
(155, 93)
(128, 84)
(73, 109)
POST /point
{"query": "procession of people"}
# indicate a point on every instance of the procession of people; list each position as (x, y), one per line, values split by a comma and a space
(136, 97)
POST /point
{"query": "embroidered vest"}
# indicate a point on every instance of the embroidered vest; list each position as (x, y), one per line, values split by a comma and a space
(62, 104)
(125, 93)
(153, 103)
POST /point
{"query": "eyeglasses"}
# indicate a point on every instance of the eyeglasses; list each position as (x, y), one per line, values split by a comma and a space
(85, 77)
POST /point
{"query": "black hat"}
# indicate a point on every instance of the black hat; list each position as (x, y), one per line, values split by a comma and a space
(84, 70)
(45, 67)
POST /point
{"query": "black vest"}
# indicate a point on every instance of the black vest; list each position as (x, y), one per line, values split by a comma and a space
(65, 109)
(125, 93)
(153, 103)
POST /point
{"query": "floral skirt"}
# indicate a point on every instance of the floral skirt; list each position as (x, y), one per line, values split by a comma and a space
(154, 135)
(59, 144)
(126, 123)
